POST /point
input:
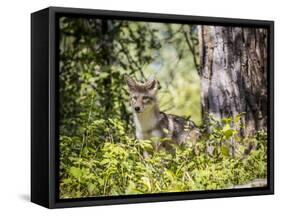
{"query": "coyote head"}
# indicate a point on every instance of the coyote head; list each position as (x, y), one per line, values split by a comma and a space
(142, 95)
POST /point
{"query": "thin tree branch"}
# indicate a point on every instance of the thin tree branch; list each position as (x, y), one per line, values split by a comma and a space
(191, 47)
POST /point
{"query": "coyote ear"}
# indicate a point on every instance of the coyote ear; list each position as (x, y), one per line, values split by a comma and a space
(130, 82)
(152, 84)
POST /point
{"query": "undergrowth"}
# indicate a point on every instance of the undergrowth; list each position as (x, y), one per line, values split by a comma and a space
(106, 160)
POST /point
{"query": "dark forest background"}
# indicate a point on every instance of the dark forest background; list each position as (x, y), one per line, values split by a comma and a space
(214, 75)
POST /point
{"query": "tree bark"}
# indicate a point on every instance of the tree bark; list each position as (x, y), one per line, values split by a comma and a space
(233, 72)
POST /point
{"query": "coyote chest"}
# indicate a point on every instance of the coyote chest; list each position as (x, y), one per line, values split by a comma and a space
(147, 126)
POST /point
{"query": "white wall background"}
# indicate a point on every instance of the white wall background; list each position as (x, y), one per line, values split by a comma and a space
(15, 107)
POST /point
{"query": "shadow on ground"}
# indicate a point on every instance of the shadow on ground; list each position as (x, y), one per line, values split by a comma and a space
(25, 197)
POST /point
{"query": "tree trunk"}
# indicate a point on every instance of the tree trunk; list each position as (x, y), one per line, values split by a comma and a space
(233, 73)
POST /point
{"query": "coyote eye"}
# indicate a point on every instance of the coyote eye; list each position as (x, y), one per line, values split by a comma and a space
(146, 99)
(134, 98)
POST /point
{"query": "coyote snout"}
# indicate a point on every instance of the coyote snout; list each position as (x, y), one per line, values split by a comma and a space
(149, 121)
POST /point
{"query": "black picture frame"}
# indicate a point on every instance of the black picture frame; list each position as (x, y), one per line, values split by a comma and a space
(44, 105)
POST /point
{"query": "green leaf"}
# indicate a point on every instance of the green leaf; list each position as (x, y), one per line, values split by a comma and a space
(170, 175)
(165, 130)
(131, 189)
(146, 182)
(226, 127)
(101, 181)
(92, 187)
(226, 120)
(75, 172)
(147, 146)
(67, 181)
(224, 151)
(105, 161)
(237, 119)
(228, 131)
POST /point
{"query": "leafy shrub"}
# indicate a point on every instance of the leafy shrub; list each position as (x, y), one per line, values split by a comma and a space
(107, 161)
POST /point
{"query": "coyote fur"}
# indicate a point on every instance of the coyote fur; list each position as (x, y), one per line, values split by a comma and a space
(151, 122)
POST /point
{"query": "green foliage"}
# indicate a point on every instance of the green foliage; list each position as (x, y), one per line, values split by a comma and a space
(112, 163)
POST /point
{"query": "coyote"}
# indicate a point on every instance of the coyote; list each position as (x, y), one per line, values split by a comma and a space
(151, 122)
